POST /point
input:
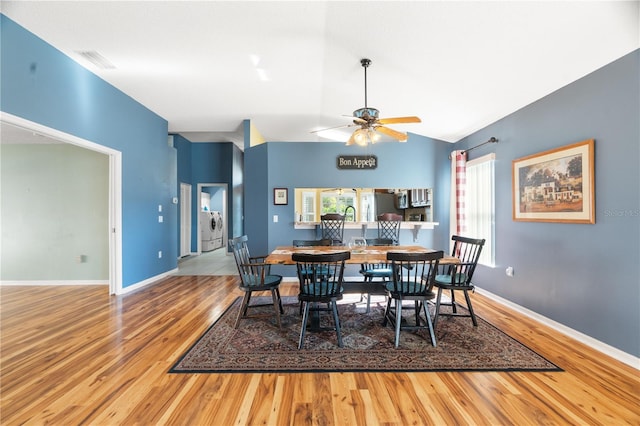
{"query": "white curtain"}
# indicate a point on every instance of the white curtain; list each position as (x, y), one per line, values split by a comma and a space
(480, 204)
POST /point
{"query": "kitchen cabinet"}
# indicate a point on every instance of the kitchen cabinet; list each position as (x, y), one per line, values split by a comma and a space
(421, 202)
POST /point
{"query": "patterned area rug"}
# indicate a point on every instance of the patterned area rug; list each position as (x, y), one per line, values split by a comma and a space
(259, 346)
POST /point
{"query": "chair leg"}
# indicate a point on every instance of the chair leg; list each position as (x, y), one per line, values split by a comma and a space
(386, 311)
(334, 307)
(276, 305)
(280, 300)
(435, 316)
(246, 305)
(368, 295)
(454, 309)
(473, 315)
(431, 326)
(398, 320)
(243, 308)
(305, 317)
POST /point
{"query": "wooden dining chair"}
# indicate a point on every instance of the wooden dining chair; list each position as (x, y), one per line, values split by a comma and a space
(412, 280)
(255, 277)
(320, 277)
(332, 226)
(389, 226)
(457, 277)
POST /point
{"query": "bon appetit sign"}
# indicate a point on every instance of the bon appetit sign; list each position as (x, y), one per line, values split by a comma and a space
(356, 162)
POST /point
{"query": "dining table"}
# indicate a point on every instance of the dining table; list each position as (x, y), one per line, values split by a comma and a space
(359, 255)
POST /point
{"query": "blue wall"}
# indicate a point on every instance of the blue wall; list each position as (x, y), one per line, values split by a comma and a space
(42, 85)
(217, 162)
(586, 277)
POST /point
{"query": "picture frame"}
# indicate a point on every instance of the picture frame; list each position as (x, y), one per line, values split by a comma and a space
(280, 196)
(556, 185)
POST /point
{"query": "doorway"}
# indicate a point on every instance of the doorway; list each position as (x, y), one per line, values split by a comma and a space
(222, 191)
(114, 195)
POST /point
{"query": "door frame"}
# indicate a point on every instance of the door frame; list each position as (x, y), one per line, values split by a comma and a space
(225, 214)
(114, 192)
(186, 221)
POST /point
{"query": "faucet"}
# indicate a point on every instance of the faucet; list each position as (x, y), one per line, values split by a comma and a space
(354, 212)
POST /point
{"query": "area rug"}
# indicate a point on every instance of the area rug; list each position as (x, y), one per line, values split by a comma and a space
(259, 346)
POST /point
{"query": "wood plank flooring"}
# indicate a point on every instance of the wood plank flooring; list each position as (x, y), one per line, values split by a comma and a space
(75, 355)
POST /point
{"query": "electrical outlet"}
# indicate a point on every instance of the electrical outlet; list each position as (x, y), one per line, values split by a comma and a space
(275, 218)
(509, 271)
(160, 254)
(160, 219)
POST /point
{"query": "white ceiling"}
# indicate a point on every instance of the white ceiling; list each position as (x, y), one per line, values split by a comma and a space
(459, 66)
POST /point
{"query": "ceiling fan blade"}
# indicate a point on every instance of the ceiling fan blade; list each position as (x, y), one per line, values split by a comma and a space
(401, 137)
(331, 128)
(397, 120)
(356, 120)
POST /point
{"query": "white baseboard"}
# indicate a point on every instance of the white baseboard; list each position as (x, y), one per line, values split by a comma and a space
(54, 282)
(148, 281)
(606, 349)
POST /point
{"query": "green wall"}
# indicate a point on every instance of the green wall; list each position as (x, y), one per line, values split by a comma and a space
(54, 208)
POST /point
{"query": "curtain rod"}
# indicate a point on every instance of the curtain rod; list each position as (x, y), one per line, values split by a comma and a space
(491, 140)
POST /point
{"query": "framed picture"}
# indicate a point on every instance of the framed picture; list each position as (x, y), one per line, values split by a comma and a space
(555, 185)
(280, 196)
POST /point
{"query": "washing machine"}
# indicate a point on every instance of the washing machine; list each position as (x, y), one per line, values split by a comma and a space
(207, 230)
(216, 219)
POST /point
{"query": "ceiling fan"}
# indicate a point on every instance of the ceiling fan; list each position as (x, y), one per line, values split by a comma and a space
(369, 122)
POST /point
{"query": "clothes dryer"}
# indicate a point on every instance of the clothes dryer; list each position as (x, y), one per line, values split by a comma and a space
(207, 229)
(217, 234)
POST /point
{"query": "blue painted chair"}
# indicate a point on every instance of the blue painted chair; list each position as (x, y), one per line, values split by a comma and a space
(320, 277)
(457, 277)
(255, 276)
(412, 280)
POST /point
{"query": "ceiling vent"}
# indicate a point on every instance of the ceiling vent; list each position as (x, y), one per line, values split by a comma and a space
(96, 59)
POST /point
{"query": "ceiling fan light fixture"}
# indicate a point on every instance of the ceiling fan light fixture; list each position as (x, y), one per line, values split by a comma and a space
(363, 137)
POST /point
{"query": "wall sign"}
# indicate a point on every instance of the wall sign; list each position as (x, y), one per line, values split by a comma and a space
(356, 162)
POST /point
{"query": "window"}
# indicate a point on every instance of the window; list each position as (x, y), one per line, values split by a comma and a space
(479, 202)
(336, 202)
(367, 211)
(308, 206)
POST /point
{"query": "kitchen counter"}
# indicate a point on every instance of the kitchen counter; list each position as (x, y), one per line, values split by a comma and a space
(359, 225)
(415, 227)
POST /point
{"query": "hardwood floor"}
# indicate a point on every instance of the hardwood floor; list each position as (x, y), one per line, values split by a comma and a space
(75, 355)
